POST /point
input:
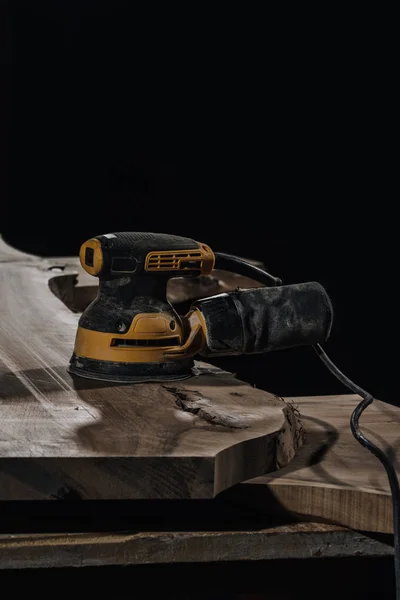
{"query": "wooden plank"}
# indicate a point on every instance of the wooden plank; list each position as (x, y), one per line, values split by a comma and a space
(332, 477)
(298, 541)
(76, 438)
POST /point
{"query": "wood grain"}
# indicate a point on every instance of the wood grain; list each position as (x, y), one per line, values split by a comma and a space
(64, 437)
(297, 541)
(332, 477)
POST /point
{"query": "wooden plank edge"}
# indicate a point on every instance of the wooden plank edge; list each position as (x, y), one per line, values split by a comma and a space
(298, 541)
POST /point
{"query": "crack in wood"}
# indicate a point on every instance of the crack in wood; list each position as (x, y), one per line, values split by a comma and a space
(194, 402)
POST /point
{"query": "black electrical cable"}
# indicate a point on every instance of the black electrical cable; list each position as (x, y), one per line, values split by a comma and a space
(228, 262)
(366, 401)
(248, 270)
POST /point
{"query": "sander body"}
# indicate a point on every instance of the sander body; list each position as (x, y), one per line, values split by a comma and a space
(131, 333)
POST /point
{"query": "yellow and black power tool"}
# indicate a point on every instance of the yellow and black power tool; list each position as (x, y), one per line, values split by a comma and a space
(130, 332)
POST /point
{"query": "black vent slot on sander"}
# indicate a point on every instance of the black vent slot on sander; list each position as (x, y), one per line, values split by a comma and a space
(174, 341)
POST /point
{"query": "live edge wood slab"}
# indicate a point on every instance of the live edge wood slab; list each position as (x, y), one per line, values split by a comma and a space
(61, 439)
(64, 437)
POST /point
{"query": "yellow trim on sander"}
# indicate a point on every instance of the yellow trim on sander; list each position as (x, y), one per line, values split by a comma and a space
(201, 258)
(95, 245)
(98, 345)
(145, 326)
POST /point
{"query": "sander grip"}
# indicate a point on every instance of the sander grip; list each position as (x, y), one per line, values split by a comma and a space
(263, 319)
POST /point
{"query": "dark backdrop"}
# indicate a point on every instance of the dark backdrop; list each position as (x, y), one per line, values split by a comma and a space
(256, 136)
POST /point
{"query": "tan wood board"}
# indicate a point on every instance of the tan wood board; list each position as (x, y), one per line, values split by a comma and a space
(69, 437)
(297, 541)
(332, 477)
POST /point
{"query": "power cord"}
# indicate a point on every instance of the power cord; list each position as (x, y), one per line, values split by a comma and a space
(366, 401)
(234, 264)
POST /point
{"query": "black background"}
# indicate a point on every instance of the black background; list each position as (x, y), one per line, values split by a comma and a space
(265, 137)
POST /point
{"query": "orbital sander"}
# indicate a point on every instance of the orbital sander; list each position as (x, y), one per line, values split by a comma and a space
(131, 333)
